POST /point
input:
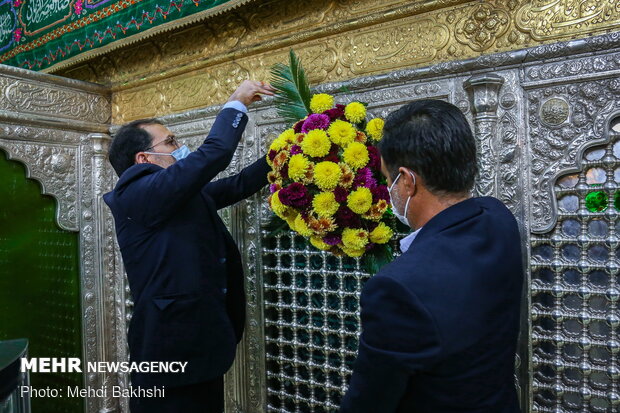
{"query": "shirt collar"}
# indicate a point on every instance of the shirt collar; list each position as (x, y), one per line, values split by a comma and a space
(405, 243)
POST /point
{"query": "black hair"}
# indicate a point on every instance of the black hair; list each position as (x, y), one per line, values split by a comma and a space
(433, 139)
(128, 141)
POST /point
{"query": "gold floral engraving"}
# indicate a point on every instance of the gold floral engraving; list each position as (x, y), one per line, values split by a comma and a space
(482, 27)
(337, 39)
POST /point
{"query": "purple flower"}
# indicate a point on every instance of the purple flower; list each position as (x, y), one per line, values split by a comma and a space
(333, 154)
(341, 194)
(347, 218)
(380, 192)
(315, 121)
(272, 155)
(333, 239)
(273, 188)
(295, 195)
(364, 178)
(297, 126)
(335, 113)
(375, 158)
(295, 149)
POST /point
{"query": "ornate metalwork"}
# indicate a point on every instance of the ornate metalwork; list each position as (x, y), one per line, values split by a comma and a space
(575, 292)
(482, 26)
(556, 148)
(541, 126)
(484, 98)
(42, 126)
(198, 66)
(554, 111)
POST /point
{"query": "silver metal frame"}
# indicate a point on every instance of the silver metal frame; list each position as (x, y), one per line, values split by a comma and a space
(58, 128)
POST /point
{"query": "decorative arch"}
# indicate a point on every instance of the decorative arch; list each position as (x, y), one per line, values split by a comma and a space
(40, 273)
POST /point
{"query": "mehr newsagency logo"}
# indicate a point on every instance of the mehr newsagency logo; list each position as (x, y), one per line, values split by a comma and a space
(74, 365)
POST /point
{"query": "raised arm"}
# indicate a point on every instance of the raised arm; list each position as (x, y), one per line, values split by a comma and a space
(153, 197)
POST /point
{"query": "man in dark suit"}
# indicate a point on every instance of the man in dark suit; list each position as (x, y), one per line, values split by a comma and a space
(439, 323)
(183, 267)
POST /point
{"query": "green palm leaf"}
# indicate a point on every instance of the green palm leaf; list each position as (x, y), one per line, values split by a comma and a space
(292, 90)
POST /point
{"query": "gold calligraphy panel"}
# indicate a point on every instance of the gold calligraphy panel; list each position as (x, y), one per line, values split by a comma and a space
(553, 19)
(337, 39)
(393, 45)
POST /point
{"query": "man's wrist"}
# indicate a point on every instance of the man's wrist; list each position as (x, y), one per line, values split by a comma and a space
(236, 104)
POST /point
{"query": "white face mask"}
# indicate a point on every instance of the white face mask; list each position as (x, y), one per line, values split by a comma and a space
(177, 154)
(401, 217)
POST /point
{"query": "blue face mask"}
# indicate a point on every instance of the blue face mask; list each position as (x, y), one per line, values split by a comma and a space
(177, 154)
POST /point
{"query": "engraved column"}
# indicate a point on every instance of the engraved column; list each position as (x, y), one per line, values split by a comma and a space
(99, 280)
(245, 389)
(483, 91)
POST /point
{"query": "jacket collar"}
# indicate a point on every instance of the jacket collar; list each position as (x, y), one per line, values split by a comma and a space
(131, 174)
(450, 216)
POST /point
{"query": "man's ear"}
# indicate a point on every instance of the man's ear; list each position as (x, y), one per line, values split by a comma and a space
(141, 157)
(411, 184)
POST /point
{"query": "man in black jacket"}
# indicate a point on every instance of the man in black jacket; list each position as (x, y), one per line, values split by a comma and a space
(440, 323)
(183, 267)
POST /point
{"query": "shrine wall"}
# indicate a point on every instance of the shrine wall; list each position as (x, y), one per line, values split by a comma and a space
(546, 121)
(538, 81)
(200, 65)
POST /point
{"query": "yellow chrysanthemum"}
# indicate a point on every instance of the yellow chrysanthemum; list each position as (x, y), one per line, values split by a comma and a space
(326, 175)
(341, 133)
(354, 253)
(316, 143)
(347, 177)
(278, 144)
(321, 225)
(321, 102)
(325, 204)
(375, 213)
(360, 137)
(356, 155)
(288, 136)
(301, 227)
(277, 206)
(381, 234)
(274, 178)
(297, 167)
(355, 112)
(290, 220)
(374, 128)
(360, 200)
(354, 238)
(280, 159)
(317, 242)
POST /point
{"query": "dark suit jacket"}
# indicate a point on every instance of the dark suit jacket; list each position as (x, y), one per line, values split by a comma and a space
(440, 323)
(183, 267)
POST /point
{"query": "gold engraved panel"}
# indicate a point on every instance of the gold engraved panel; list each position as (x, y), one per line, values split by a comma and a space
(385, 47)
(555, 19)
(481, 27)
(337, 39)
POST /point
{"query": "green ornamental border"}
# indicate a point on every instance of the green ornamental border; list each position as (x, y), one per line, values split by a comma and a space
(41, 34)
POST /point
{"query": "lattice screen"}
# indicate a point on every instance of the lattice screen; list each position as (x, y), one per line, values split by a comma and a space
(311, 324)
(575, 292)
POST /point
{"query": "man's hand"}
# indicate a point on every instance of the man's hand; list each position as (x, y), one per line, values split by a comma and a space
(250, 91)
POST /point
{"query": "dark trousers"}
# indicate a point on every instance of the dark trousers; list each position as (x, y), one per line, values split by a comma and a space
(206, 397)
